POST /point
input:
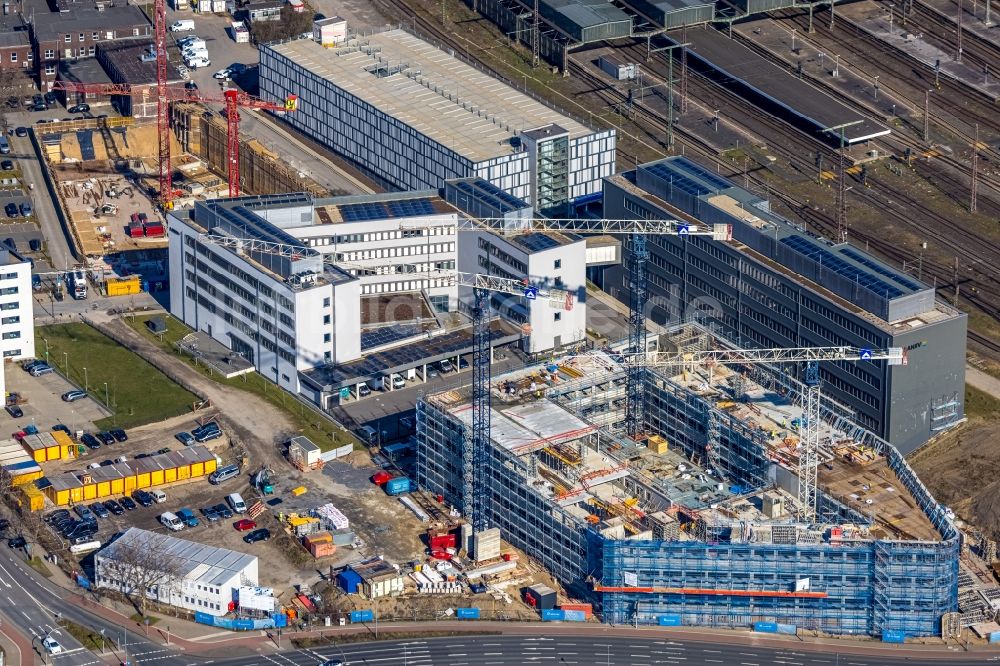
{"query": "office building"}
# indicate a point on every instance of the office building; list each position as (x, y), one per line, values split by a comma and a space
(695, 522)
(262, 295)
(17, 314)
(201, 579)
(412, 116)
(775, 285)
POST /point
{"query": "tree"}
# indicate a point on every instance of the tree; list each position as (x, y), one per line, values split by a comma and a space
(13, 84)
(292, 23)
(139, 569)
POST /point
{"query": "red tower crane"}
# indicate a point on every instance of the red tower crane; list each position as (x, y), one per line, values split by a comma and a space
(233, 100)
(162, 107)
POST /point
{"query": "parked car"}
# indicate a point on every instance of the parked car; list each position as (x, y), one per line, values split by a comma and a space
(85, 513)
(21, 131)
(41, 369)
(28, 365)
(7, 165)
(127, 504)
(90, 441)
(105, 438)
(16, 542)
(118, 434)
(99, 510)
(73, 396)
(79, 108)
(262, 534)
(114, 507)
(223, 511)
(26, 212)
(10, 209)
(165, 449)
(397, 381)
(107, 463)
(184, 438)
(446, 366)
(63, 428)
(121, 459)
(143, 498)
(210, 514)
(244, 524)
(15, 411)
(363, 390)
(223, 74)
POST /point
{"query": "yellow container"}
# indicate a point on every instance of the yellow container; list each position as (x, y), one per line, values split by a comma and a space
(170, 475)
(124, 286)
(33, 497)
(657, 444)
(301, 490)
(156, 477)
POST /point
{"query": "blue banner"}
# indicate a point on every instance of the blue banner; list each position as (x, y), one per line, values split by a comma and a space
(893, 636)
(467, 613)
(787, 629)
(574, 616)
(669, 620)
(362, 616)
(766, 627)
(553, 615)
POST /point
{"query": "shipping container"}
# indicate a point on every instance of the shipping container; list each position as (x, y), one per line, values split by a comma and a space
(587, 609)
(362, 616)
(398, 485)
(153, 230)
(617, 69)
(124, 286)
(348, 581)
(135, 230)
(540, 597)
(320, 549)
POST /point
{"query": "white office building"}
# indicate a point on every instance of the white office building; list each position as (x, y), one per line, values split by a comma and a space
(237, 276)
(555, 265)
(17, 314)
(391, 242)
(202, 578)
(412, 116)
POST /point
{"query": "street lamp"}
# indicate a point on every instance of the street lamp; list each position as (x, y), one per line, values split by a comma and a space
(107, 403)
(102, 641)
(46, 341)
(86, 380)
(66, 363)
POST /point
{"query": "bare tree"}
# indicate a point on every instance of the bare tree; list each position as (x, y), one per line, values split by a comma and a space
(140, 569)
(13, 84)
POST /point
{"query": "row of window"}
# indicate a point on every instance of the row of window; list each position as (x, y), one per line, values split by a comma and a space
(27, 56)
(399, 234)
(392, 252)
(204, 604)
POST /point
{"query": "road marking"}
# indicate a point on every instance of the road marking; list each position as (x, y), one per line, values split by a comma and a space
(714, 661)
(493, 654)
(712, 651)
(749, 663)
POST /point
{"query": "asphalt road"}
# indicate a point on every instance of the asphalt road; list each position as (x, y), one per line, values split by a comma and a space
(597, 651)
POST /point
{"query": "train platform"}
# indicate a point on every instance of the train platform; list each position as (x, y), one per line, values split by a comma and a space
(875, 21)
(771, 88)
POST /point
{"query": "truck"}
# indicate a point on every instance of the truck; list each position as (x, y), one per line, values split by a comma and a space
(240, 33)
(187, 517)
(77, 280)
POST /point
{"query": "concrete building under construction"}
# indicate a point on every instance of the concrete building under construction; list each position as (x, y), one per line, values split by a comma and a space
(695, 523)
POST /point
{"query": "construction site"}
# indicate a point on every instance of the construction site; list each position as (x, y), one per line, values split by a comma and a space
(700, 519)
(104, 173)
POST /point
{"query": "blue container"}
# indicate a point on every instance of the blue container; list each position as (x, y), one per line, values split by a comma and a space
(467, 613)
(893, 636)
(362, 616)
(766, 627)
(553, 615)
(995, 637)
(348, 581)
(397, 486)
(787, 629)
(669, 620)
(574, 616)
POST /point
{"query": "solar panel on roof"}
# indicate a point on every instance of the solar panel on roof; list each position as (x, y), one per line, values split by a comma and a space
(830, 261)
(383, 336)
(716, 181)
(881, 270)
(536, 242)
(676, 180)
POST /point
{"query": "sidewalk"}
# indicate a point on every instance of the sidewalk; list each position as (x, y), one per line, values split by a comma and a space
(16, 646)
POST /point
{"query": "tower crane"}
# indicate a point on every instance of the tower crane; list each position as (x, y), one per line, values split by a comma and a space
(233, 100)
(811, 356)
(476, 447)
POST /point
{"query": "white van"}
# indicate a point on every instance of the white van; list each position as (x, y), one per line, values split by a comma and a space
(184, 25)
(198, 61)
(171, 521)
(158, 496)
(236, 503)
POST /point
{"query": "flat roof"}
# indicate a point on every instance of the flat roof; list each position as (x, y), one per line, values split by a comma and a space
(49, 25)
(196, 562)
(379, 207)
(125, 56)
(740, 64)
(424, 87)
(86, 70)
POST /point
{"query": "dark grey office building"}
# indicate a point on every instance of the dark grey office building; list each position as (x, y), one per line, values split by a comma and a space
(775, 285)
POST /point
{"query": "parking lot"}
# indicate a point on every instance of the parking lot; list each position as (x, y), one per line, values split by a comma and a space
(45, 408)
(222, 50)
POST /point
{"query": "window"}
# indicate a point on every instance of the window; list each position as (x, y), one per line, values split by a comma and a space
(82, 36)
(7, 291)
(95, 36)
(12, 352)
(135, 32)
(50, 54)
(13, 57)
(90, 51)
(50, 69)
(326, 302)
(557, 316)
(326, 319)
(11, 320)
(29, 56)
(68, 38)
(327, 337)
(557, 263)
(13, 335)
(327, 356)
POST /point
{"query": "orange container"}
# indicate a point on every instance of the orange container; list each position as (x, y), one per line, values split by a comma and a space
(587, 609)
(317, 537)
(322, 549)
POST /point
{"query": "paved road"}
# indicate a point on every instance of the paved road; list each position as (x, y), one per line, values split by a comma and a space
(597, 651)
(58, 245)
(32, 604)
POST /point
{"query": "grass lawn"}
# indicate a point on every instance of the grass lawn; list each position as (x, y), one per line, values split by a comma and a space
(88, 638)
(137, 392)
(318, 429)
(979, 404)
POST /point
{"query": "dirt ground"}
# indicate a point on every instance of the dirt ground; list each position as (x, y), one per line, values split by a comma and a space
(962, 468)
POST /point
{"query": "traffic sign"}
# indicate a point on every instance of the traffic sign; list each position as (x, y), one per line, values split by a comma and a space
(866, 354)
(683, 229)
(531, 293)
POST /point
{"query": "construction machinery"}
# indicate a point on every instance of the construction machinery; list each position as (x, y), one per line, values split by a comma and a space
(233, 99)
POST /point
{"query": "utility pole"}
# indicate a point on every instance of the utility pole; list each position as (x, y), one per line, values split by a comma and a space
(842, 183)
(832, 13)
(534, 36)
(956, 283)
(975, 171)
(927, 116)
(961, 11)
(684, 72)
(670, 89)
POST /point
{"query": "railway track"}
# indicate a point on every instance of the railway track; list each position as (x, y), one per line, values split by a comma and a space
(944, 30)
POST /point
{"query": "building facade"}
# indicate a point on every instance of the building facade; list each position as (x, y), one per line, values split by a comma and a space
(695, 523)
(75, 30)
(775, 286)
(412, 117)
(283, 310)
(202, 579)
(17, 318)
(16, 53)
